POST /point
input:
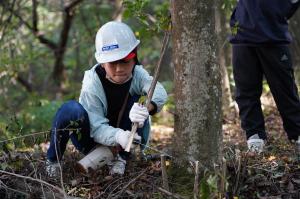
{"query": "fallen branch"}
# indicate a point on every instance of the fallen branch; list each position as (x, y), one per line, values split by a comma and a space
(169, 193)
(36, 180)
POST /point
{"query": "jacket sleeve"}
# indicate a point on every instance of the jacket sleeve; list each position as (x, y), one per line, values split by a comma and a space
(100, 130)
(143, 82)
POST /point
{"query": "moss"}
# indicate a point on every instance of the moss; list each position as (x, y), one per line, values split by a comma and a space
(181, 181)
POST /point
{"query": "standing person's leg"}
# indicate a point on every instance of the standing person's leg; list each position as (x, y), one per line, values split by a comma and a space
(277, 65)
(248, 81)
(70, 121)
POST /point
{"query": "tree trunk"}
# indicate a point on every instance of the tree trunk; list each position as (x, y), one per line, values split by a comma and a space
(295, 47)
(59, 68)
(221, 32)
(197, 84)
(118, 14)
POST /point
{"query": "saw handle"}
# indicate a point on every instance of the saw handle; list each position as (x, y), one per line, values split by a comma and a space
(133, 131)
(130, 139)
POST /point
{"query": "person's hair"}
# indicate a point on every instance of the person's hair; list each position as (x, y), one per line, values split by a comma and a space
(136, 60)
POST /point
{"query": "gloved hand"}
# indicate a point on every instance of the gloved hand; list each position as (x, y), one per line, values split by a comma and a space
(138, 113)
(122, 137)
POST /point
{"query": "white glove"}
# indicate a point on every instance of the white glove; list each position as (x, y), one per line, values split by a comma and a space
(122, 137)
(138, 113)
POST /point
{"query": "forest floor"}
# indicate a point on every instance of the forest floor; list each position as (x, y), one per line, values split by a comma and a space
(273, 174)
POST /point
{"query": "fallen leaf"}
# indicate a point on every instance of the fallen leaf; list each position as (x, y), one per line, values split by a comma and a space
(271, 158)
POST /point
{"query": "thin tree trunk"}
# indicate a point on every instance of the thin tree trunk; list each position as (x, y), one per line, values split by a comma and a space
(221, 32)
(118, 14)
(295, 47)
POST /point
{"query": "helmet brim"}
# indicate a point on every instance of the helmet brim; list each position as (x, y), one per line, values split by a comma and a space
(114, 56)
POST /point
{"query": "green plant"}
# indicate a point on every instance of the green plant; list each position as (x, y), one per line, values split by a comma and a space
(153, 21)
(37, 116)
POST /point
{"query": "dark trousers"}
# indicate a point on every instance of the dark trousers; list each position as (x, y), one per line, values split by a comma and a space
(72, 122)
(250, 64)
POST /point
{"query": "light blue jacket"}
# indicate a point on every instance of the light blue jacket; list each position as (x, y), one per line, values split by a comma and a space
(93, 99)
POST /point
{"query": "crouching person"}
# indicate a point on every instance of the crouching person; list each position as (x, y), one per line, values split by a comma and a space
(108, 101)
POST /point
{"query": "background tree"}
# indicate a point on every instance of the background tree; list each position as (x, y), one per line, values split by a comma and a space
(32, 23)
(295, 47)
(222, 30)
(197, 83)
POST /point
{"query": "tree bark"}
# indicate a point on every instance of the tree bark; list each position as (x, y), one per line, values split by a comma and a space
(221, 32)
(118, 14)
(295, 47)
(197, 83)
(59, 68)
(295, 31)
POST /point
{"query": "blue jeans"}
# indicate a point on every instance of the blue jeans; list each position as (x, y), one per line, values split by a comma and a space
(72, 117)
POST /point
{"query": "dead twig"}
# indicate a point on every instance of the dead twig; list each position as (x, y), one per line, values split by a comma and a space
(223, 177)
(169, 193)
(108, 186)
(43, 191)
(164, 172)
(33, 134)
(59, 163)
(36, 180)
(196, 183)
(237, 175)
(152, 86)
(13, 190)
(129, 183)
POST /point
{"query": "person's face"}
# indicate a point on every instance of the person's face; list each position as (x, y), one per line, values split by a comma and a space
(119, 71)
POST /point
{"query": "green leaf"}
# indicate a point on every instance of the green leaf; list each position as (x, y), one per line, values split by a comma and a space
(212, 181)
(204, 189)
(78, 134)
(3, 165)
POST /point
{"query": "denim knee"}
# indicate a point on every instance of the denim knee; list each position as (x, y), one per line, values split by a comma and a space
(73, 107)
(69, 114)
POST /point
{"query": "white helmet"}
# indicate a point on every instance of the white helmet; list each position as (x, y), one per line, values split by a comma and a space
(114, 41)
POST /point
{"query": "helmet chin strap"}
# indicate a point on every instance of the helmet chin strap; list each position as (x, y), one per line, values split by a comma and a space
(111, 80)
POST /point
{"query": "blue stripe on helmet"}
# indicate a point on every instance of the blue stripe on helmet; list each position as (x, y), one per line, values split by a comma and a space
(110, 47)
